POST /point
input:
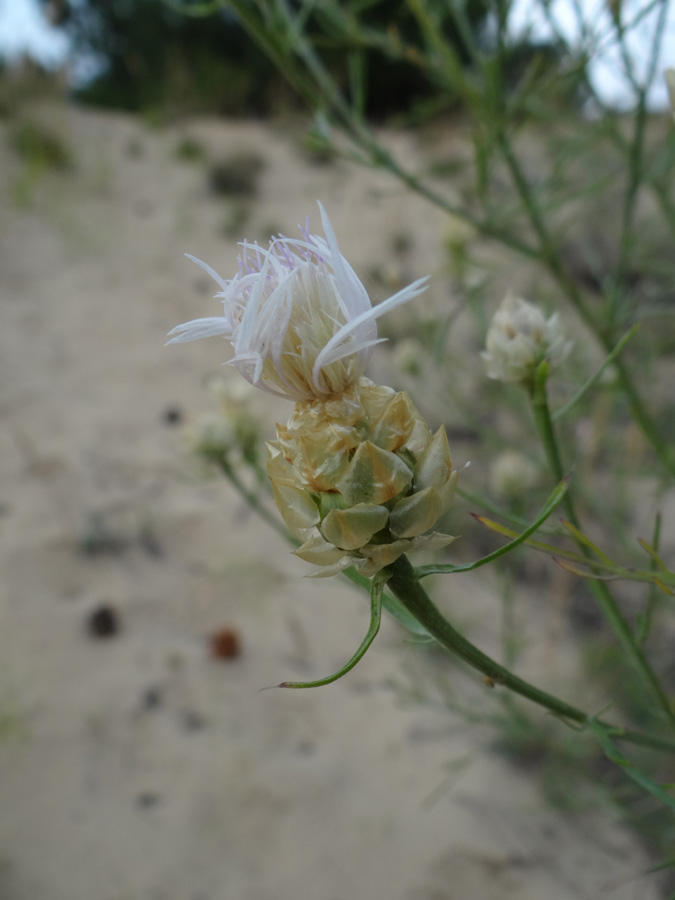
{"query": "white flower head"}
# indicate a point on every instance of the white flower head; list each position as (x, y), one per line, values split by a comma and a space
(519, 338)
(300, 321)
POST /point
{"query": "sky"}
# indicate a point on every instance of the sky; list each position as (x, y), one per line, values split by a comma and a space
(24, 29)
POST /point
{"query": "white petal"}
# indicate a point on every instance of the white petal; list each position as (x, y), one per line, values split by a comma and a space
(207, 268)
(199, 328)
(245, 333)
(350, 288)
(335, 349)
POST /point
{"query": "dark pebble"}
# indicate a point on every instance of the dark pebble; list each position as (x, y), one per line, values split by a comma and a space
(172, 415)
(103, 622)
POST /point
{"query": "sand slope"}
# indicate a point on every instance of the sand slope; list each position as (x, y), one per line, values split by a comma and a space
(138, 767)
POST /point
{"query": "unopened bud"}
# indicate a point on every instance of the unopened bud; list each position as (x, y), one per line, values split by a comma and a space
(361, 479)
(519, 338)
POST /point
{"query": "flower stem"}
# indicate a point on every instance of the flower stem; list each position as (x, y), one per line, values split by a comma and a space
(603, 596)
(405, 585)
(253, 500)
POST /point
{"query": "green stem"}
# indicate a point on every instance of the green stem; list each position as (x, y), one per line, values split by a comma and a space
(640, 414)
(279, 30)
(602, 594)
(251, 497)
(593, 380)
(405, 585)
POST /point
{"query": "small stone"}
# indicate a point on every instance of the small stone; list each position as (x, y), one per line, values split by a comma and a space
(172, 415)
(151, 698)
(225, 644)
(103, 622)
(192, 721)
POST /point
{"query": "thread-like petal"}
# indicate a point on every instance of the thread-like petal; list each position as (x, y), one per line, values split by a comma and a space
(199, 328)
(299, 319)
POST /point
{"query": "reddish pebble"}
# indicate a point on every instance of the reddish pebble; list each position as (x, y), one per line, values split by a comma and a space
(225, 644)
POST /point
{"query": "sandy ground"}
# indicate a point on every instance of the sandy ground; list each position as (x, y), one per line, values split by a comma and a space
(139, 767)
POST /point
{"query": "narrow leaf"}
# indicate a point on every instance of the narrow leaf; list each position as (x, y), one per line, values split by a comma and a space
(377, 587)
(393, 606)
(584, 573)
(546, 511)
(654, 555)
(612, 752)
(559, 413)
(587, 542)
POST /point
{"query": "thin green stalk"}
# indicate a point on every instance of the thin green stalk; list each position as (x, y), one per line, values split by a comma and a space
(636, 151)
(635, 179)
(548, 252)
(602, 594)
(645, 620)
(640, 414)
(593, 380)
(319, 91)
(253, 500)
(286, 45)
(405, 585)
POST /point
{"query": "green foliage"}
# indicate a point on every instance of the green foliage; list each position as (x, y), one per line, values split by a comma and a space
(189, 150)
(167, 58)
(40, 147)
(576, 203)
(154, 59)
(26, 83)
(41, 151)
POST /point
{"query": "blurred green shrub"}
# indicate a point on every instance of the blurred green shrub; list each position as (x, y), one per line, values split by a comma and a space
(236, 176)
(40, 147)
(154, 58)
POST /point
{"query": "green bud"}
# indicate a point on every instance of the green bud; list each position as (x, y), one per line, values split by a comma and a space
(360, 479)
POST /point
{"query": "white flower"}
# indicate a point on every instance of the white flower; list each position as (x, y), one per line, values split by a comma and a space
(519, 338)
(299, 320)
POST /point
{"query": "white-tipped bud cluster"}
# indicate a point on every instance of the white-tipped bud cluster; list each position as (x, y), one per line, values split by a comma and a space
(519, 338)
(361, 479)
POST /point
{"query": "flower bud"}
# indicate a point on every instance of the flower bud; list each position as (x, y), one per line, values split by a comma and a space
(360, 479)
(519, 338)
